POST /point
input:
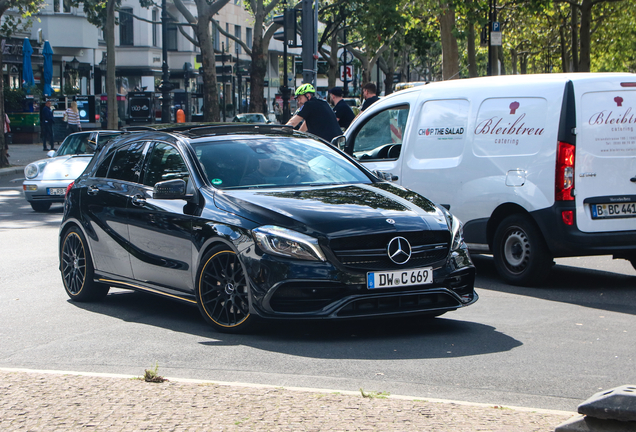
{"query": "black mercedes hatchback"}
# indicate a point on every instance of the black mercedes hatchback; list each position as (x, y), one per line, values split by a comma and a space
(250, 222)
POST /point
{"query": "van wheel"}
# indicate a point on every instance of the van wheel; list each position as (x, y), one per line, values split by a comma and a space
(223, 291)
(521, 255)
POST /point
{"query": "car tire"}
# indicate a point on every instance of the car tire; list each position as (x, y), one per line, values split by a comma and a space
(223, 291)
(40, 206)
(520, 253)
(77, 269)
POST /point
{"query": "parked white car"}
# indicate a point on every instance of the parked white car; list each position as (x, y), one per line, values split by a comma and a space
(47, 179)
(536, 166)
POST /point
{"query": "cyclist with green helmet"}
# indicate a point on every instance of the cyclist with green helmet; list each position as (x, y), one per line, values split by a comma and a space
(319, 118)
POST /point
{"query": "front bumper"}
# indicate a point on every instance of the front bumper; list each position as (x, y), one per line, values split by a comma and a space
(40, 191)
(303, 289)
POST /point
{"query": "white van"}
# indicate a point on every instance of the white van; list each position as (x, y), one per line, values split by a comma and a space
(536, 166)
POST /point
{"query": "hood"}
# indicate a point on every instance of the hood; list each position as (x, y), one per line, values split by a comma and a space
(65, 167)
(335, 211)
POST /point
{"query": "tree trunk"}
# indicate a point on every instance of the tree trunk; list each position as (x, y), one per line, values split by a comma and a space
(3, 159)
(513, 60)
(332, 60)
(472, 58)
(388, 78)
(586, 27)
(450, 53)
(257, 73)
(564, 50)
(574, 29)
(208, 61)
(111, 88)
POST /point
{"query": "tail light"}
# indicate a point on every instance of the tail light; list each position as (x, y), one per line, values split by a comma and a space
(564, 180)
(68, 189)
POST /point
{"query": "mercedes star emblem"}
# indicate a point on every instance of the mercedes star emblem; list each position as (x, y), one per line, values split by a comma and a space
(391, 221)
(399, 250)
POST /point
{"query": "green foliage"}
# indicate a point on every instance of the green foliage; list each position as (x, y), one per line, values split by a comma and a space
(14, 99)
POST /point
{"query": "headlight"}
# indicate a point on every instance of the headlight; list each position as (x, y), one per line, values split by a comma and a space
(457, 232)
(284, 242)
(31, 171)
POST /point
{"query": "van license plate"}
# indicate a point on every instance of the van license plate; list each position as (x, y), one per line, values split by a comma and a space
(57, 191)
(604, 211)
(403, 278)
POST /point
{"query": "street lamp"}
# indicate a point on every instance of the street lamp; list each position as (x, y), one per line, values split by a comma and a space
(187, 73)
(74, 63)
(165, 86)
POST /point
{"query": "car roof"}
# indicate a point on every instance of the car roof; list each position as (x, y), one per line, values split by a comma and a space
(196, 133)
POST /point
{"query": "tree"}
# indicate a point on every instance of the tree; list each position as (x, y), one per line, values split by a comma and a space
(259, 52)
(10, 24)
(101, 13)
(201, 24)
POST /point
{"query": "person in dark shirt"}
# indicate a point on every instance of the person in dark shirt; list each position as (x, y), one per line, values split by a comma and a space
(47, 125)
(344, 113)
(318, 117)
(369, 91)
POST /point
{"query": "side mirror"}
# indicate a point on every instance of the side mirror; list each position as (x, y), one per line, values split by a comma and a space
(170, 189)
(339, 142)
(387, 176)
(50, 153)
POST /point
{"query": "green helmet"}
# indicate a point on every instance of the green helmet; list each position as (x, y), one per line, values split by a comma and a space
(304, 89)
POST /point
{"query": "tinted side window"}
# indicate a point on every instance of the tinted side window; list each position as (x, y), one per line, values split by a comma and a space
(102, 170)
(381, 136)
(165, 163)
(127, 162)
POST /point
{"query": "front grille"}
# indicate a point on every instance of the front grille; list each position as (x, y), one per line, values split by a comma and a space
(414, 302)
(370, 252)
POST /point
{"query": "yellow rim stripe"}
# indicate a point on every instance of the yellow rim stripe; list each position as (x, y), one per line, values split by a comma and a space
(199, 288)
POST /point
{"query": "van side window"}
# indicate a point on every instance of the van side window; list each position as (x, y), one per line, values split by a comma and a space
(381, 136)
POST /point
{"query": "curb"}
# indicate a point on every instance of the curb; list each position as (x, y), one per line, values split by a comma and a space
(297, 389)
(11, 170)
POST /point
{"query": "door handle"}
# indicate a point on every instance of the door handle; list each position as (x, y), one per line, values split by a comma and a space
(138, 200)
(92, 190)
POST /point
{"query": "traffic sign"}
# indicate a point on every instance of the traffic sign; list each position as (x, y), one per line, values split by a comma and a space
(496, 27)
(346, 57)
(346, 73)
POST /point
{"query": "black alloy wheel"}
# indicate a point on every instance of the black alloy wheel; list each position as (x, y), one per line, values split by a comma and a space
(222, 291)
(520, 253)
(77, 269)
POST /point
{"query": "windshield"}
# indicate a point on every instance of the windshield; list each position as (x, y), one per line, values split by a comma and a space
(275, 162)
(76, 144)
(82, 143)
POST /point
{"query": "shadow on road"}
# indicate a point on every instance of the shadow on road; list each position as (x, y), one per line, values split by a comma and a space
(366, 339)
(16, 212)
(598, 289)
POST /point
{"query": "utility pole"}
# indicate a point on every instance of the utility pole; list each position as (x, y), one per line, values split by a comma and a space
(223, 76)
(310, 43)
(166, 98)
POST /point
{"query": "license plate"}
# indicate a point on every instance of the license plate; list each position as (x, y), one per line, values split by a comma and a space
(604, 211)
(56, 191)
(402, 278)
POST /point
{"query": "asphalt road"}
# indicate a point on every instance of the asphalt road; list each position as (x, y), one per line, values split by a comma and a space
(549, 347)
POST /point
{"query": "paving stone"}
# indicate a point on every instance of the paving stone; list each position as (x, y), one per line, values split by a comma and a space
(51, 402)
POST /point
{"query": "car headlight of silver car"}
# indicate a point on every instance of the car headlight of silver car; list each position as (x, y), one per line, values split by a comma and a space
(288, 243)
(34, 169)
(31, 171)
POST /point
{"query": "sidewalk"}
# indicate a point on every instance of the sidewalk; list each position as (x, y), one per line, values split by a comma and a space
(65, 401)
(20, 156)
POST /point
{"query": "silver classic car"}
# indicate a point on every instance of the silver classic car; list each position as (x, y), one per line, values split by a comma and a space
(46, 180)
